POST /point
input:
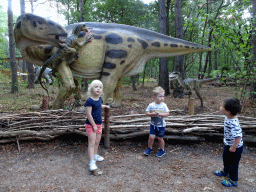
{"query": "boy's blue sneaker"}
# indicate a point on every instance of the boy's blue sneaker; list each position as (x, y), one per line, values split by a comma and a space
(229, 183)
(161, 153)
(220, 173)
(148, 150)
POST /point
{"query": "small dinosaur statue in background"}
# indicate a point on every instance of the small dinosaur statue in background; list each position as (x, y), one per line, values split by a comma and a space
(190, 84)
(67, 50)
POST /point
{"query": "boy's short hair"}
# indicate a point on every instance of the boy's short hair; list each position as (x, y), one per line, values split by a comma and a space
(233, 106)
(158, 90)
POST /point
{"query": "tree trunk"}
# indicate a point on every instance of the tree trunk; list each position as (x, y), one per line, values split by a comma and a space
(13, 63)
(216, 60)
(163, 62)
(81, 10)
(24, 64)
(24, 70)
(30, 66)
(179, 34)
(22, 7)
(168, 3)
(133, 79)
(205, 66)
(144, 74)
(210, 53)
(200, 75)
(253, 66)
(200, 66)
(31, 76)
(178, 62)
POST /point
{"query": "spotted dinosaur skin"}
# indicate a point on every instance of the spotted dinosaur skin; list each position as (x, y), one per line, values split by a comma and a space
(191, 84)
(116, 51)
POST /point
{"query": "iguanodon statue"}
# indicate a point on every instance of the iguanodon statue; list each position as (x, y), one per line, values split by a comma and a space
(116, 51)
(190, 84)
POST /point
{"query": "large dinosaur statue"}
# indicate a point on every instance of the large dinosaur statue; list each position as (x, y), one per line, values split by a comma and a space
(116, 51)
(190, 84)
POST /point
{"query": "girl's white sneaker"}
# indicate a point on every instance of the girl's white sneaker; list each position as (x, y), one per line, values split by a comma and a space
(93, 166)
(98, 158)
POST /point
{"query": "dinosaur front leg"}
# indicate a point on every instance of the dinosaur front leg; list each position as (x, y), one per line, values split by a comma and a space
(67, 85)
(199, 95)
(88, 39)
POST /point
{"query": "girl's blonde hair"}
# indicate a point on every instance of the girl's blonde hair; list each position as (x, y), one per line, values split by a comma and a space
(158, 90)
(92, 84)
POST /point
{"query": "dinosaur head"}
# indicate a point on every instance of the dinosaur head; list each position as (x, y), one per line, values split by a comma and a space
(79, 28)
(37, 29)
(174, 75)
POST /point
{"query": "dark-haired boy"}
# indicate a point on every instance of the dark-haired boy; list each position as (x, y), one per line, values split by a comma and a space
(233, 142)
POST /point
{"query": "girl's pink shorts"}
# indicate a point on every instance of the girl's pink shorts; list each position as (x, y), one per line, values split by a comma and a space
(89, 129)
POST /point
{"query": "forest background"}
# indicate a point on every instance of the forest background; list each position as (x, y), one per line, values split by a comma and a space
(227, 26)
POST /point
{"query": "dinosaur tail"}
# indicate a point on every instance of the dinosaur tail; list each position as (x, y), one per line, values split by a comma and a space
(209, 80)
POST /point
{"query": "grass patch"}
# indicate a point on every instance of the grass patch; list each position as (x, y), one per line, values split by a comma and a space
(25, 98)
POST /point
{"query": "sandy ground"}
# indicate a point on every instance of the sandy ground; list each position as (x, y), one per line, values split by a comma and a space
(62, 165)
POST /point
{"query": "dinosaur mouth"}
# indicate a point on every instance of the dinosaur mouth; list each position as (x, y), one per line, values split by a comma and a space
(60, 39)
(172, 77)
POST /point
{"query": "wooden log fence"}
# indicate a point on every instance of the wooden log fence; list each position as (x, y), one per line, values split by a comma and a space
(46, 125)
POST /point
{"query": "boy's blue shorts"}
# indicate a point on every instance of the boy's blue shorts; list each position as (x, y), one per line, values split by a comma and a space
(158, 131)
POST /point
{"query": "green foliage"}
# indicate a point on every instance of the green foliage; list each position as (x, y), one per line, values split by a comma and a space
(215, 73)
(3, 33)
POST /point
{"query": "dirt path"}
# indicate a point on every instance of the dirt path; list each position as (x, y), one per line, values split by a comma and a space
(62, 165)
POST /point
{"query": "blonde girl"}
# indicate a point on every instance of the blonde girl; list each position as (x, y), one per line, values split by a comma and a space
(93, 124)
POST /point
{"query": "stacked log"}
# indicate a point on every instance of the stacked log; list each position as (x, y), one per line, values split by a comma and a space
(183, 127)
(46, 125)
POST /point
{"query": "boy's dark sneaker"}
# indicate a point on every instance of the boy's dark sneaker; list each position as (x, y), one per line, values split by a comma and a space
(148, 151)
(161, 153)
(220, 173)
(229, 183)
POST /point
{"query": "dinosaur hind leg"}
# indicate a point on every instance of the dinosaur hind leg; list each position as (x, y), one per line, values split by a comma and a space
(118, 95)
(199, 95)
(109, 85)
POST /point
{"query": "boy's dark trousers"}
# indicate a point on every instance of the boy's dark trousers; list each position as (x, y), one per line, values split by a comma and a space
(231, 161)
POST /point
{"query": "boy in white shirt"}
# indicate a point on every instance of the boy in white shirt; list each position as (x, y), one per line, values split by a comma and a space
(157, 110)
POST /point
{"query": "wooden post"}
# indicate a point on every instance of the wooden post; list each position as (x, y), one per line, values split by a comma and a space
(191, 106)
(107, 128)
